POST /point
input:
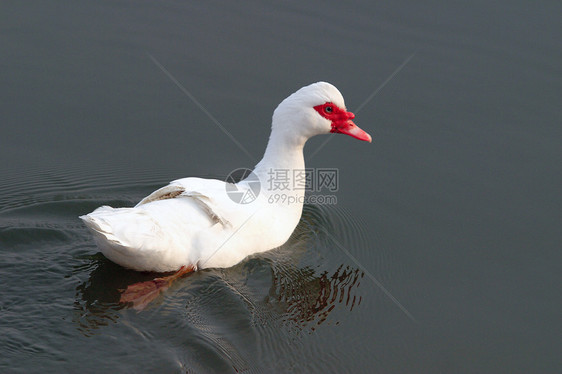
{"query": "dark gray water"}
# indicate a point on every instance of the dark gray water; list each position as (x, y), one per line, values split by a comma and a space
(442, 253)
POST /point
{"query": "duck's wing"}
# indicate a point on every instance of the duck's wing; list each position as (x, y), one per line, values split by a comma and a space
(209, 194)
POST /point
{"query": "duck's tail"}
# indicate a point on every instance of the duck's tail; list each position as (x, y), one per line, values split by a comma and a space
(129, 237)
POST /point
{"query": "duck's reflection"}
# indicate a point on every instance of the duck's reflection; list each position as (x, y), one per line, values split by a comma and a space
(310, 302)
(294, 292)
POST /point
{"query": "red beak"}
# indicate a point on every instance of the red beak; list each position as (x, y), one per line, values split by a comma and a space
(346, 126)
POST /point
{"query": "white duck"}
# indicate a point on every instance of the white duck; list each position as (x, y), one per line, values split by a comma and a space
(194, 224)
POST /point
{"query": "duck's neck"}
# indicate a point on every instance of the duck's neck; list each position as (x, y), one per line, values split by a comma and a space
(282, 167)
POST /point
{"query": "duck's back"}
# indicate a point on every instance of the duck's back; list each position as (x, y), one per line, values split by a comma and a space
(158, 233)
(156, 236)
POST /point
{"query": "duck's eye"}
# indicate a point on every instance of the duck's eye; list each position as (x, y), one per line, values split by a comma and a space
(328, 109)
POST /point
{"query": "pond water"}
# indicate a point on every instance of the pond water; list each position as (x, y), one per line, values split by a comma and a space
(440, 254)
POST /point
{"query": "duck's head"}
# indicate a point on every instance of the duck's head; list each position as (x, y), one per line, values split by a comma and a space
(316, 109)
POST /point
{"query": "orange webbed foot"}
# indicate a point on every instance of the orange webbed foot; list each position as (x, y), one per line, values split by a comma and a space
(143, 293)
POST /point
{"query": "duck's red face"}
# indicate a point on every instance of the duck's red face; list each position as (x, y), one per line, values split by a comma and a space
(342, 121)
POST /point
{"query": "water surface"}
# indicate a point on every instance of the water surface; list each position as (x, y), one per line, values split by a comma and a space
(442, 253)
